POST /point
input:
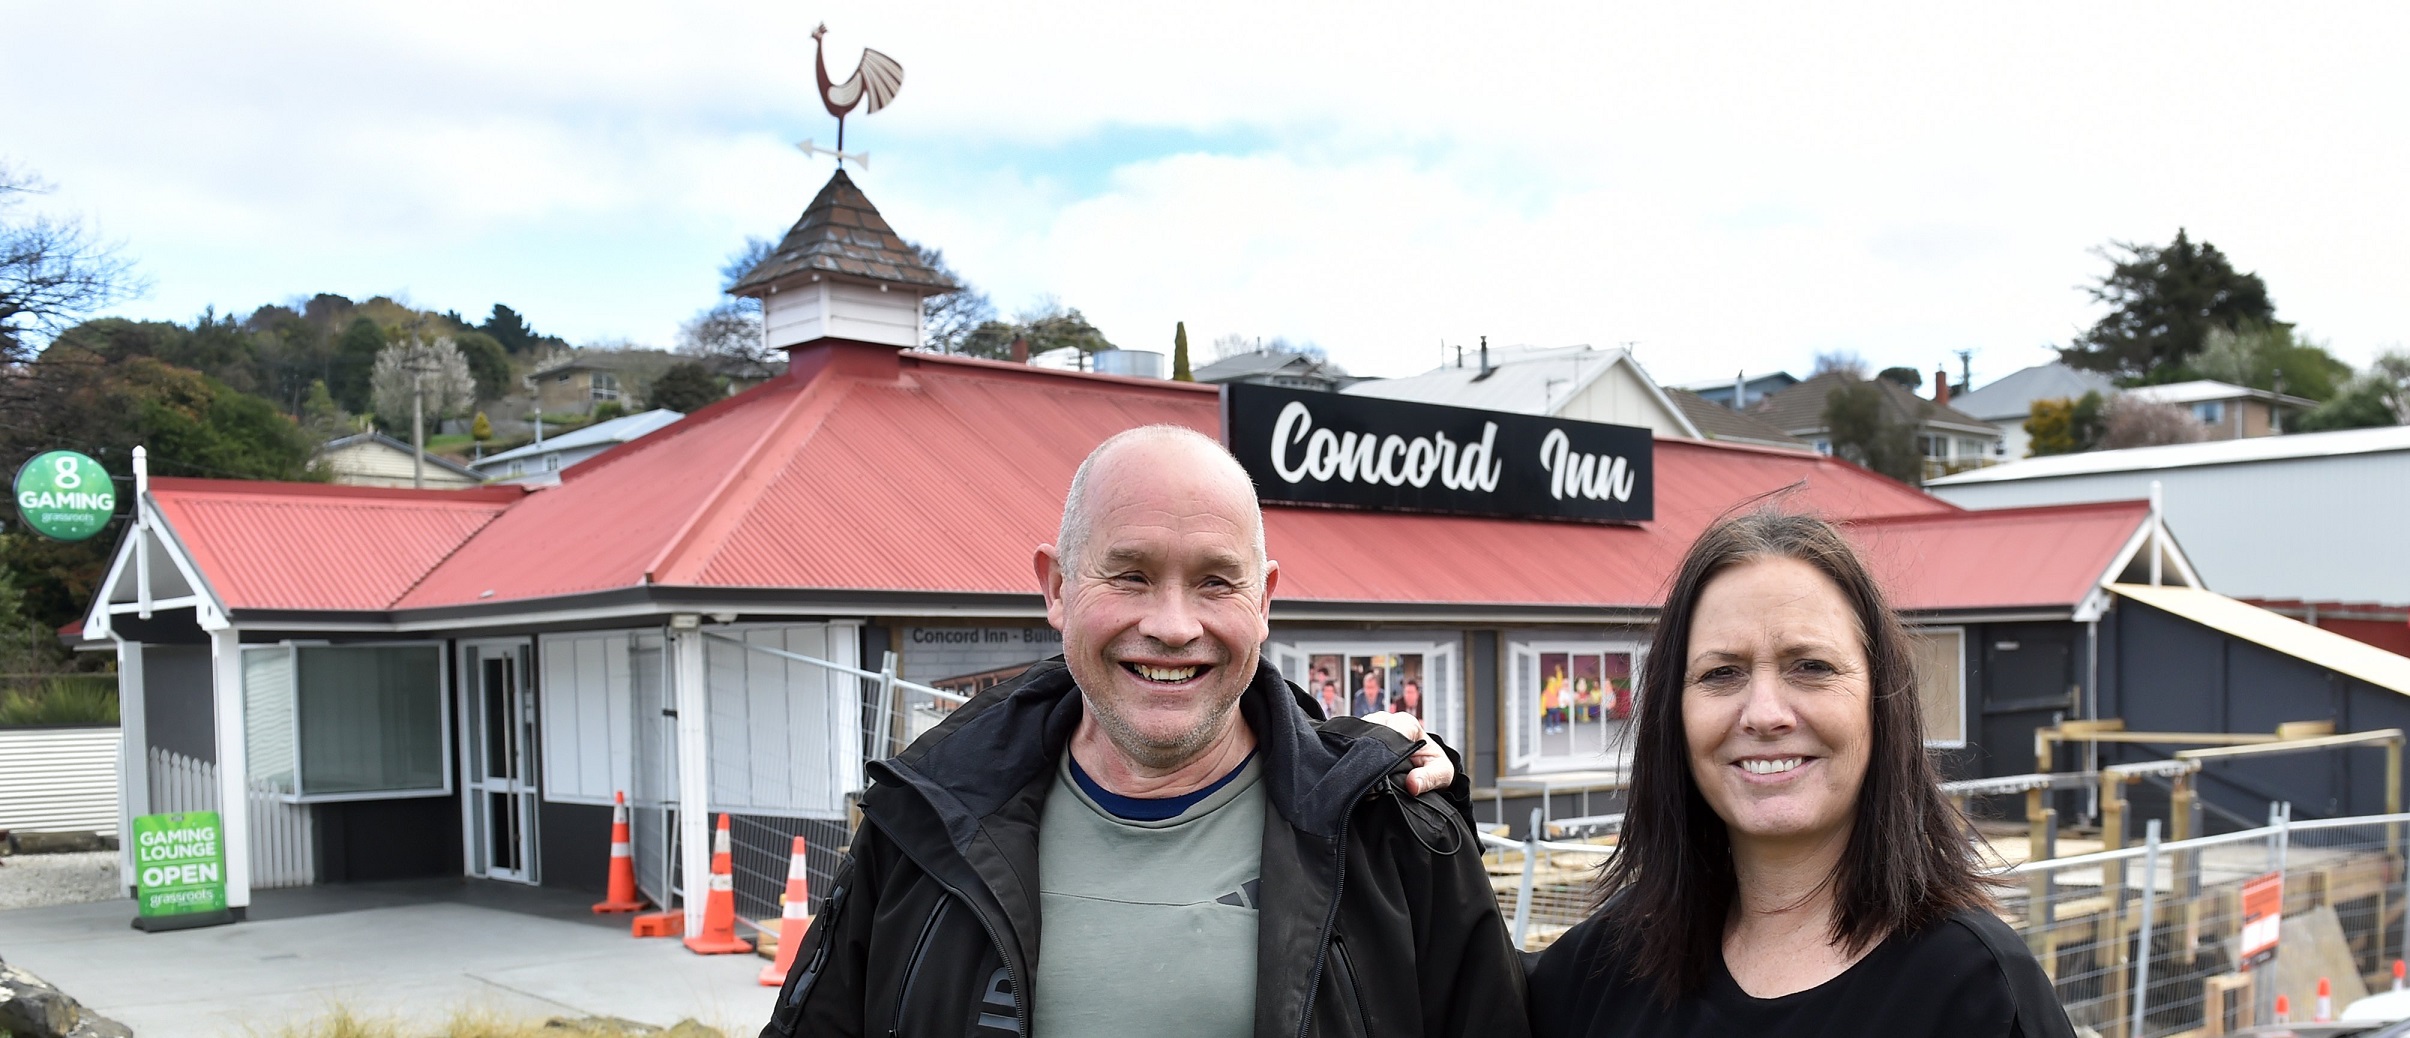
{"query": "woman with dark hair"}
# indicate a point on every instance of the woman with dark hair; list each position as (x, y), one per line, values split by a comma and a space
(1787, 865)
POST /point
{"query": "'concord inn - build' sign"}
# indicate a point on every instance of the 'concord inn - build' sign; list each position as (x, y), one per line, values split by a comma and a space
(1316, 448)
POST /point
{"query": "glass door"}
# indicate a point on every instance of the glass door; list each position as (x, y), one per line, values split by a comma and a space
(498, 717)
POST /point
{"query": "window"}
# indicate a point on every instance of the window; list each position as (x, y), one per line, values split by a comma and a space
(518, 467)
(605, 387)
(1824, 447)
(1569, 704)
(1940, 658)
(347, 722)
(552, 463)
(786, 737)
(590, 685)
(1932, 446)
(1358, 678)
(2210, 412)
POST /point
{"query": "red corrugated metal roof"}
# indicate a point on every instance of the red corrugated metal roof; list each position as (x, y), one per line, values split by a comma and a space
(2052, 555)
(869, 471)
(266, 545)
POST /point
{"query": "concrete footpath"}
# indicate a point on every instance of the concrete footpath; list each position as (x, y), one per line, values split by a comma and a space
(417, 952)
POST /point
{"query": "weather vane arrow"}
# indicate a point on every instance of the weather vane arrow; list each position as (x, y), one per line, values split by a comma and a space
(870, 88)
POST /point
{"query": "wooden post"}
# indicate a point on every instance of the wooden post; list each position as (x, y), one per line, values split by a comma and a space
(2112, 890)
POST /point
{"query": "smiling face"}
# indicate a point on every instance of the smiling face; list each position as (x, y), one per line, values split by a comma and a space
(1775, 703)
(1164, 608)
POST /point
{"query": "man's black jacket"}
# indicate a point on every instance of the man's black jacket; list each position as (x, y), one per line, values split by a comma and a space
(1374, 917)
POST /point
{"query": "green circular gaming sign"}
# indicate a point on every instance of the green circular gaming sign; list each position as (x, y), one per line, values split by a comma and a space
(65, 495)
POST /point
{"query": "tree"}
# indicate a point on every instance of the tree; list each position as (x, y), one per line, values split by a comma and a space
(992, 340)
(2392, 371)
(1862, 430)
(480, 429)
(321, 420)
(488, 363)
(685, 388)
(2129, 422)
(1180, 370)
(946, 320)
(2063, 426)
(509, 329)
(732, 332)
(2361, 405)
(51, 271)
(1909, 377)
(355, 362)
(2271, 356)
(1052, 326)
(2164, 300)
(1846, 362)
(429, 370)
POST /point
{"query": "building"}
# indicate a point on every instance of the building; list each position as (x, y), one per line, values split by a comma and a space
(1744, 387)
(581, 381)
(543, 461)
(2310, 523)
(2007, 401)
(1949, 439)
(1718, 422)
(373, 459)
(1276, 368)
(1577, 382)
(710, 618)
(2227, 411)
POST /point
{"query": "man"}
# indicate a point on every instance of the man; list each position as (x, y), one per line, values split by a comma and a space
(1150, 835)
(1370, 699)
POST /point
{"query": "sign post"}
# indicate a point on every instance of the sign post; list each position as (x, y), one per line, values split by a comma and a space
(180, 871)
(2263, 925)
(64, 495)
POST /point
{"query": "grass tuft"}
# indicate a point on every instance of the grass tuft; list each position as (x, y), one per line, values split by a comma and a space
(66, 699)
(342, 1022)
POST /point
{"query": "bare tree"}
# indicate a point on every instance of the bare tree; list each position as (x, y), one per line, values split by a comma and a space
(2392, 372)
(52, 272)
(1846, 362)
(947, 321)
(2138, 423)
(732, 332)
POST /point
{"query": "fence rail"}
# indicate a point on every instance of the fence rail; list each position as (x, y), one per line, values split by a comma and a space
(283, 840)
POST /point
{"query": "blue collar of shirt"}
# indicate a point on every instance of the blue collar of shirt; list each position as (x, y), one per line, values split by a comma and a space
(1148, 809)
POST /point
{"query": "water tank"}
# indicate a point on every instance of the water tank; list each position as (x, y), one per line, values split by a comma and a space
(1134, 363)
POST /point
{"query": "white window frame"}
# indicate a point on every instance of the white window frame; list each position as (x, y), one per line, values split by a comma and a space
(1960, 631)
(1519, 706)
(444, 687)
(1443, 715)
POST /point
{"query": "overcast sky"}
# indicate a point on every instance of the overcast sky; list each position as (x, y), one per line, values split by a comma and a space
(1724, 187)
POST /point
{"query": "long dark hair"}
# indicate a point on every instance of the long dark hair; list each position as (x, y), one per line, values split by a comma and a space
(1668, 889)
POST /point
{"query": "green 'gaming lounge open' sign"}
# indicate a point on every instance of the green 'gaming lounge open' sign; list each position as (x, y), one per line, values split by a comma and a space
(65, 495)
(180, 871)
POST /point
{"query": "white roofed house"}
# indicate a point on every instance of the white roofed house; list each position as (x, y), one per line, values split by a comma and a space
(542, 461)
(1578, 382)
(2228, 411)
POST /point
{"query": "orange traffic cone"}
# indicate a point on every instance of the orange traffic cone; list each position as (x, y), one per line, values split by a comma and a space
(622, 895)
(719, 909)
(794, 921)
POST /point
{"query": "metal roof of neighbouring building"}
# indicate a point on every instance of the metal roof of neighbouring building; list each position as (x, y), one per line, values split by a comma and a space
(1800, 409)
(2192, 455)
(2278, 632)
(2012, 395)
(842, 233)
(870, 469)
(616, 430)
(1719, 422)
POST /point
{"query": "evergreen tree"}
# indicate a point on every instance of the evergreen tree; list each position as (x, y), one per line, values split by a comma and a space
(1861, 431)
(509, 329)
(355, 364)
(1180, 371)
(685, 388)
(2165, 300)
(2063, 426)
(480, 429)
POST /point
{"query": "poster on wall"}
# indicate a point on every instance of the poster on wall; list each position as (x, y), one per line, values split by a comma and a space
(1356, 685)
(1584, 702)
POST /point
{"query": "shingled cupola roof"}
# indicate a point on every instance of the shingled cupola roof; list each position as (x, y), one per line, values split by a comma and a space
(841, 233)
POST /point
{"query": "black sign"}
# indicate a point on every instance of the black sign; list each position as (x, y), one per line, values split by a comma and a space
(1365, 452)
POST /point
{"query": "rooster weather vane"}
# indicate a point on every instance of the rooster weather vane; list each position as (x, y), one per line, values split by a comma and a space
(872, 85)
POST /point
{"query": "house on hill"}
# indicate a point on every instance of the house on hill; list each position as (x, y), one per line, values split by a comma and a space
(2227, 411)
(542, 462)
(1577, 382)
(577, 382)
(1949, 439)
(2006, 402)
(373, 459)
(1718, 422)
(1276, 368)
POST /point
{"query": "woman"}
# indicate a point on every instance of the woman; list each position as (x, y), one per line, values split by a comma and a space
(1787, 866)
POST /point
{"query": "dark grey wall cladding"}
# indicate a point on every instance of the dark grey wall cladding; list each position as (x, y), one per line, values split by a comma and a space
(574, 846)
(179, 713)
(363, 841)
(1481, 752)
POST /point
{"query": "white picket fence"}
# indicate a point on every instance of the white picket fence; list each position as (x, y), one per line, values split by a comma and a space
(282, 839)
(58, 779)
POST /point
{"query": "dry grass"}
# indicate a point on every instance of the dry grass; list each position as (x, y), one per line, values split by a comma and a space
(342, 1022)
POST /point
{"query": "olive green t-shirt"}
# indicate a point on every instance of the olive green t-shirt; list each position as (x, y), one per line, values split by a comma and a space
(1148, 927)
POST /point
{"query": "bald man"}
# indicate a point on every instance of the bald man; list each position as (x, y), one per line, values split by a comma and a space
(1153, 834)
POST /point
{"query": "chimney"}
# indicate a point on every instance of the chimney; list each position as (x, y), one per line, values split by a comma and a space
(1941, 386)
(1020, 350)
(1740, 390)
(1485, 354)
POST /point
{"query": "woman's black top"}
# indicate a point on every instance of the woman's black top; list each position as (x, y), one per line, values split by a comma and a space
(1968, 976)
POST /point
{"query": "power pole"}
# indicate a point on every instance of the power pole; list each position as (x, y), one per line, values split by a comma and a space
(418, 428)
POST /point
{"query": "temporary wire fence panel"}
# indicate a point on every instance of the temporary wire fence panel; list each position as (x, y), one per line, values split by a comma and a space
(761, 849)
(283, 838)
(58, 779)
(784, 734)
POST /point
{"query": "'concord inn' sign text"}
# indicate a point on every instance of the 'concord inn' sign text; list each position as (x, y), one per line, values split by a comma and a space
(1365, 452)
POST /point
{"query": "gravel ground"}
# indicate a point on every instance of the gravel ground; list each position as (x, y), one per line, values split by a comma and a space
(34, 880)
